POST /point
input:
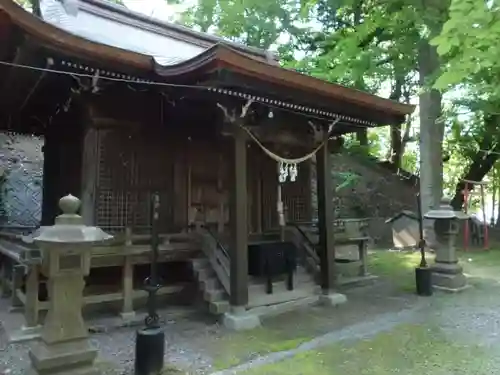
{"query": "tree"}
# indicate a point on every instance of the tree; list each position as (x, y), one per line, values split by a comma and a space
(468, 41)
(252, 22)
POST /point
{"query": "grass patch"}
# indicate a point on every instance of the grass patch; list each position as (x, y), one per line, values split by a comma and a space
(171, 370)
(237, 347)
(397, 267)
(480, 257)
(408, 349)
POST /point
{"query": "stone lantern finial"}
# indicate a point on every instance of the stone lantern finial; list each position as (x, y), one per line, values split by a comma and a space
(69, 206)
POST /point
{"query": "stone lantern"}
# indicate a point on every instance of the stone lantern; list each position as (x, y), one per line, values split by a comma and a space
(66, 252)
(447, 273)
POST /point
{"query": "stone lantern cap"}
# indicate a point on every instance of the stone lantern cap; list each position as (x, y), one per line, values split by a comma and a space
(69, 227)
(445, 211)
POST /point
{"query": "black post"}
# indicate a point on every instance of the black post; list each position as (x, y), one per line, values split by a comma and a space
(150, 342)
(423, 274)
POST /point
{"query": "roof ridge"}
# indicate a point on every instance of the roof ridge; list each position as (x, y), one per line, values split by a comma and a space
(147, 23)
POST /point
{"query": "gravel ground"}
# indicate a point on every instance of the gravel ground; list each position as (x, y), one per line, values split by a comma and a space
(472, 317)
(116, 345)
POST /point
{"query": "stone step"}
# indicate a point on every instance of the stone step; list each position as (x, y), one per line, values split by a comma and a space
(213, 295)
(281, 286)
(205, 273)
(199, 263)
(301, 275)
(282, 295)
(211, 283)
(218, 307)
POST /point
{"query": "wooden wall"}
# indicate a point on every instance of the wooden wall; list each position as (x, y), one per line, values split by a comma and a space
(184, 157)
(123, 168)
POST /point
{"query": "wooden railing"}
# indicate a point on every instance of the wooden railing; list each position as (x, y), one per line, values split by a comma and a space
(19, 247)
(217, 255)
(126, 251)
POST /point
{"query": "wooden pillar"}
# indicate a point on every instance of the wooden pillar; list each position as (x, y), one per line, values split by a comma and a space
(238, 219)
(17, 283)
(325, 218)
(128, 289)
(31, 308)
(4, 277)
(50, 176)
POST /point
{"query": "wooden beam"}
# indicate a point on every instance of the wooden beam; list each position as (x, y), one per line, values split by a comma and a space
(238, 219)
(326, 218)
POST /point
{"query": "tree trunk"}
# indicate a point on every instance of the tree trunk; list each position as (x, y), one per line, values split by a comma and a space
(396, 151)
(431, 130)
(362, 133)
(431, 137)
(481, 163)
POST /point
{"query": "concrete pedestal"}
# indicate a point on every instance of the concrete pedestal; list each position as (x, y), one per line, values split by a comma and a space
(25, 334)
(71, 358)
(448, 277)
(332, 299)
(239, 319)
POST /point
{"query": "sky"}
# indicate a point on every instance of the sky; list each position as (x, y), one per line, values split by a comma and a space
(154, 8)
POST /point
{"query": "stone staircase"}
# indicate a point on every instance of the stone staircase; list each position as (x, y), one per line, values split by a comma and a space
(217, 300)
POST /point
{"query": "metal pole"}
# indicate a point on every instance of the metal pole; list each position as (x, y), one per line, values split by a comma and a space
(421, 241)
(150, 341)
(152, 284)
(423, 273)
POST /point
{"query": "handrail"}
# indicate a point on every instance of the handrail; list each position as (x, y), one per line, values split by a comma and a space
(310, 248)
(216, 239)
(218, 257)
(303, 234)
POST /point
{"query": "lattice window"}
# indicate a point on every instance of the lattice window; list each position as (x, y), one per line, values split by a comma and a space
(131, 168)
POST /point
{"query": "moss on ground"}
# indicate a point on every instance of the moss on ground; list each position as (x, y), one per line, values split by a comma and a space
(396, 267)
(291, 330)
(237, 347)
(399, 267)
(408, 349)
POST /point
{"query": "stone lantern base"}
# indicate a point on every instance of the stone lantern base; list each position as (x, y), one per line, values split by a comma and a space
(71, 358)
(448, 277)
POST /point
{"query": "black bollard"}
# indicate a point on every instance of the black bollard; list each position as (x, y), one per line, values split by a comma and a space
(150, 341)
(423, 279)
(149, 351)
(423, 273)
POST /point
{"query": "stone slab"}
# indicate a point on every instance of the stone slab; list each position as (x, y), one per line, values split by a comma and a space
(332, 299)
(241, 321)
(446, 281)
(452, 290)
(25, 334)
(59, 359)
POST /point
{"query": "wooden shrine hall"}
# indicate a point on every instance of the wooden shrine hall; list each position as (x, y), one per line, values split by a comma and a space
(228, 139)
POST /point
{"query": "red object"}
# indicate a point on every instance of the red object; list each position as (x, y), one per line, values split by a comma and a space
(465, 192)
(486, 240)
